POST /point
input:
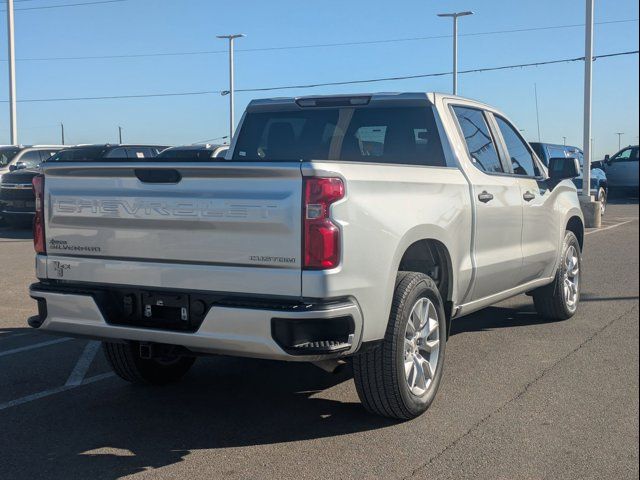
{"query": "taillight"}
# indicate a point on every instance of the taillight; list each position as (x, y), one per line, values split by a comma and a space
(38, 221)
(321, 245)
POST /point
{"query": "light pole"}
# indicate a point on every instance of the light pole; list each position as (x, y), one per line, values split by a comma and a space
(588, 76)
(564, 141)
(119, 135)
(231, 38)
(455, 44)
(619, 139)
(13, 125)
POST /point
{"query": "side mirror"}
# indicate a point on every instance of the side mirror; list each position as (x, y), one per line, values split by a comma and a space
(17, 166)
(607, 159)
(561, 168)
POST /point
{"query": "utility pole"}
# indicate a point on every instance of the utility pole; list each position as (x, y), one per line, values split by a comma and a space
(590, 208)
(119, 134)
(231, 92)
(62, 131)
(619, 139)
(535, 89)
(588, 76)
(455, 16)
(13, 125)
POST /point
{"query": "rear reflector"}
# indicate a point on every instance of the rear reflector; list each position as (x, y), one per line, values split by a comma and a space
(321, 245)
(38, 220)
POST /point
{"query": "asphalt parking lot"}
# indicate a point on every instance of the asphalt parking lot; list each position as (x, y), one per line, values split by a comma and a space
(521, 397)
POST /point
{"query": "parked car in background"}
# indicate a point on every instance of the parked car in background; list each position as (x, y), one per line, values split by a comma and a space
(195, 153)
(16, 157)
(19, 157)
(599, 181)
(17, 201)
(622, 169)
(340, 226)
(7, 154)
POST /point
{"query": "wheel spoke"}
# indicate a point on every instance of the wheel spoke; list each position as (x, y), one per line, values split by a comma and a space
(421, 381)
(408, 366)
(430, 345)
(576, 267)
(421, 313)
(410, 330)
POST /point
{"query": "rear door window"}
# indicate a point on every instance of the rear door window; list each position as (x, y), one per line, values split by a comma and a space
(479, 140)
(401, 135)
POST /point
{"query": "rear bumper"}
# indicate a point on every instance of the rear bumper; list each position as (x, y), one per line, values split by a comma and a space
(227, 330)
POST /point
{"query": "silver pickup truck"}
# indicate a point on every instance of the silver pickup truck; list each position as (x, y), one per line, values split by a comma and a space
(337, 227)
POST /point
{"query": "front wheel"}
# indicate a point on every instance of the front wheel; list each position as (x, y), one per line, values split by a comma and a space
(559, 301)
(128, 364)
(602, 198)
(399, 378)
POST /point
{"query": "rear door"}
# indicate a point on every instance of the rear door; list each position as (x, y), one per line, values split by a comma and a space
(539, 230)
(498, 205)
(221, 221)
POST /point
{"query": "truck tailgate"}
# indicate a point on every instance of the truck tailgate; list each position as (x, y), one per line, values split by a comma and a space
(222, 219)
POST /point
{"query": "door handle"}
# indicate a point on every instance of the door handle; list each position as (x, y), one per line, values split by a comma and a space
(528, 196)
(485, 197)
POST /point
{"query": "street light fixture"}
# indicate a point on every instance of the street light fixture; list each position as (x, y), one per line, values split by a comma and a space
(231, 38)
(455, 16)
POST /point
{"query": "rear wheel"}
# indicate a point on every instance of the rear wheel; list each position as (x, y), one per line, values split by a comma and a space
(126, 362)
(559, 301)
(400, 378)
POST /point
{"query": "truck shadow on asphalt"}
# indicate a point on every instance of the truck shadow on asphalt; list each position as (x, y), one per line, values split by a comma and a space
(111, 429)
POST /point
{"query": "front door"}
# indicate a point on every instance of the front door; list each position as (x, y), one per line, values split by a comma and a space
(498, 205)
(622, 169)
(540, 230)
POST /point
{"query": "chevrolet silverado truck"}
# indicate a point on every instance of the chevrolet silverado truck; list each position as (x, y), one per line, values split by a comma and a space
(337, 227)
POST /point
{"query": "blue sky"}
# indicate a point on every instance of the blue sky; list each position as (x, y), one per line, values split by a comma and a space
(161, 26)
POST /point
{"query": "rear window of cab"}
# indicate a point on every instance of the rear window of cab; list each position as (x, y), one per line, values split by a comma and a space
(397, 135)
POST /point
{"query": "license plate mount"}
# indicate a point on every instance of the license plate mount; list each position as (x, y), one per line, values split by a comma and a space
(163, 308)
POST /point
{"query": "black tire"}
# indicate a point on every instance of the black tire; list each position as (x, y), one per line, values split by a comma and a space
(379, 373)
(126, 362)
(551, 301)
(602, 198)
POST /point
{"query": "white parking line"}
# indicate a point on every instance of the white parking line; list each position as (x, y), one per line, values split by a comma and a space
(34, 346)
(607, 228)
(53, 391)
(84, 362)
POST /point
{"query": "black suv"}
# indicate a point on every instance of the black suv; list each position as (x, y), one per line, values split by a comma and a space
(17, 200)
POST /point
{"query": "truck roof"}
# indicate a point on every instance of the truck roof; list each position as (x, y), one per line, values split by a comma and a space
(356, 99)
